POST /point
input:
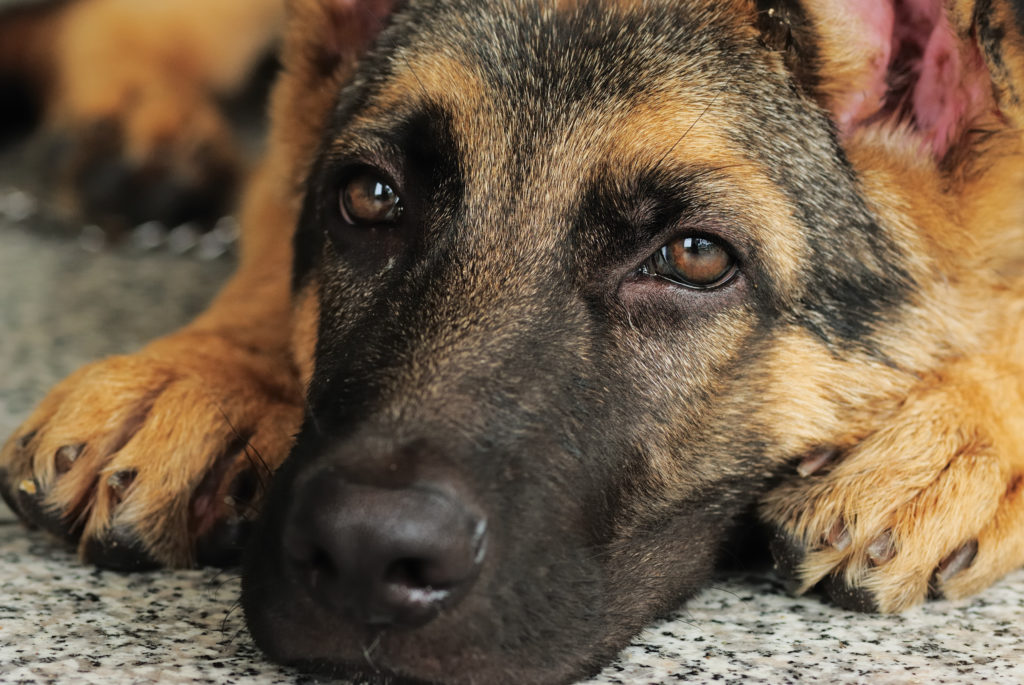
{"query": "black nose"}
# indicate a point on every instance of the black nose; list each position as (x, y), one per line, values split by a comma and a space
(383, 556)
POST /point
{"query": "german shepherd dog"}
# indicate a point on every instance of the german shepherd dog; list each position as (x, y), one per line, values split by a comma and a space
(538, 299)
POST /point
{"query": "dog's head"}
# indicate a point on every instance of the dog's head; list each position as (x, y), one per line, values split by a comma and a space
(574, 281)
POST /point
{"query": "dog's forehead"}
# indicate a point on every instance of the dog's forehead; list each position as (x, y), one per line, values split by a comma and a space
(544, 64)
(543, 98)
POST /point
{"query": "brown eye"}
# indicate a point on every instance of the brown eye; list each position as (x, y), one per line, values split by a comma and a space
(369, 199)
(694, 262)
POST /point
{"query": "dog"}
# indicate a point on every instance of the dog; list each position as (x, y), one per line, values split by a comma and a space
(539, 301)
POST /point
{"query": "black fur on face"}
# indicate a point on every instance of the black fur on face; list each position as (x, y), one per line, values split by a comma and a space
(503, 334)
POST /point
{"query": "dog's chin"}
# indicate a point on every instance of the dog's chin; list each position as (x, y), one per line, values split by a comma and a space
(448, 666)
(312, 641)
(472, 644)
(368, 674)
(365, 673)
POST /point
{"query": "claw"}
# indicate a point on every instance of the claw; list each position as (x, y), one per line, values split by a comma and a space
(958, 561)
(882, 549)
(33, 510)
(26, 440)
(66, 456)
(816, 461)
(838, 536)
(119, 483)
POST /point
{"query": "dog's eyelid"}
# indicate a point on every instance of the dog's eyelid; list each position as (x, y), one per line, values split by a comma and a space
(338, 165)
(728, 234)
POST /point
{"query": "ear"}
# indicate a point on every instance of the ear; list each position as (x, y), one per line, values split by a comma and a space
(323, 42)
(325, 38)
(941, 70)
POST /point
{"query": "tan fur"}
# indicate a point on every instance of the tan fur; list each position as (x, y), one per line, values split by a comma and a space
(147, 73)
(227, 376)
(937, 469)
(931, 453)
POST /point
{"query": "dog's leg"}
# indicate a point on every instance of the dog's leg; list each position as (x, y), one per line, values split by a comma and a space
(929, 498)
(930, 504)
(129, 95)
(159, 456)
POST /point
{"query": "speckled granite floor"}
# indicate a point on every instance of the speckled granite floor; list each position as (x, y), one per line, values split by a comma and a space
(61, 305)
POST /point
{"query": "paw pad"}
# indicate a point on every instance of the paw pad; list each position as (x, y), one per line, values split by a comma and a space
(847, 596)
(118, 549)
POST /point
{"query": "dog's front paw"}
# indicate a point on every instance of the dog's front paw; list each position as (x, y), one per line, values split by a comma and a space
(144, 155)
(156, 458)
(930, 505)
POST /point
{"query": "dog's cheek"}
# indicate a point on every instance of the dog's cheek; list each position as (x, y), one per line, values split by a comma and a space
(305, 323)
(668, 544)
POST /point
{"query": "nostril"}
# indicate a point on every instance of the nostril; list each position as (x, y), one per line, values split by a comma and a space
(411, 573)
(321, 567)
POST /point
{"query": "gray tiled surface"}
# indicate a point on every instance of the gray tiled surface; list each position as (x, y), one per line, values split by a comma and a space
(61, 622)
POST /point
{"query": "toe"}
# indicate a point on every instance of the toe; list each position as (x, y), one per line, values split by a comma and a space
(30, 503)
(848, 596)
(118, 549)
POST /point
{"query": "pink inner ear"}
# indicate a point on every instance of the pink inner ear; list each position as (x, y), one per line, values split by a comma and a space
(949, 92)
(917, 73)
(357, 22)
(876, 19)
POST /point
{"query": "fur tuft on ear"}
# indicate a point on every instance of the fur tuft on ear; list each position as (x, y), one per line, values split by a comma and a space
(332, 34)
(942, 69)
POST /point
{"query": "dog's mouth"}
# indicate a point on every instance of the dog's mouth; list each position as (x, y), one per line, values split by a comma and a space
(420, 578)
(366, 672)
(398, 582)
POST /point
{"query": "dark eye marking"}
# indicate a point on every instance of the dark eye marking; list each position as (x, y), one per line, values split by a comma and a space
(693, 261)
